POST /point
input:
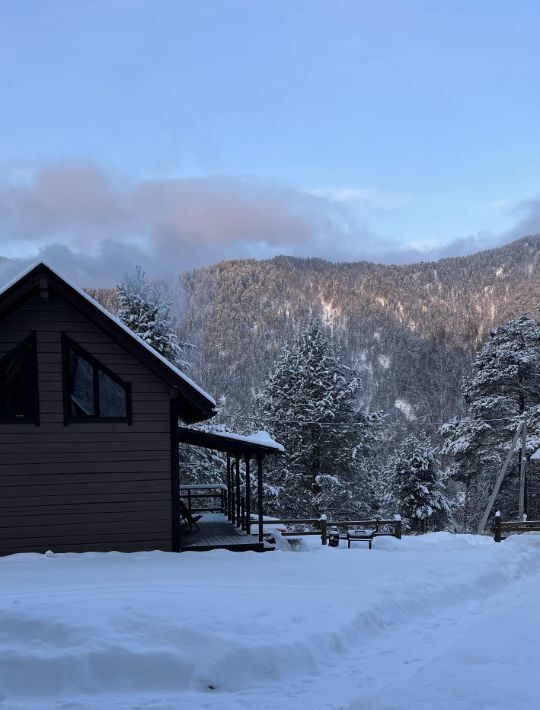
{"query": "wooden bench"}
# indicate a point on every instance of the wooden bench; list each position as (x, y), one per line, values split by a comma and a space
(373, 528)
(360, 535)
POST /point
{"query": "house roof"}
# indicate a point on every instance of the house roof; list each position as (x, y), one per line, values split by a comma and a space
(195, 403)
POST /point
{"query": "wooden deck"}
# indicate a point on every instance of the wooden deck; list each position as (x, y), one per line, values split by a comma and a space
(217, 533)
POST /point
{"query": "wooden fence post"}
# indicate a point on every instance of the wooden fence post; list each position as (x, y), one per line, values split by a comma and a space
(498, 531)
(324, 531)
(397, 525)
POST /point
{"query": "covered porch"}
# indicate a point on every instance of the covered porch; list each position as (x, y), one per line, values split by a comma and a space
(230, 517)
(216, 532)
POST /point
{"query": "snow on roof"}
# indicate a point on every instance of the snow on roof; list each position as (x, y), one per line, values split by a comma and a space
(262, 438)
(23, 273)
(536, 456)
(116, 320)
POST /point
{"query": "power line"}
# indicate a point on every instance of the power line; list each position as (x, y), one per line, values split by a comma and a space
(315, 421)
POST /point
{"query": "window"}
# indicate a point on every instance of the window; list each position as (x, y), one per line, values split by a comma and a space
(92, 391)
(18, 383)
(112, 397)
(81, 378)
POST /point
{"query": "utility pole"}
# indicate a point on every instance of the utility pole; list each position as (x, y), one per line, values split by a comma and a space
(500, 477)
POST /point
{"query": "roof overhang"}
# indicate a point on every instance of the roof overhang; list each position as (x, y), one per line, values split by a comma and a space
(228, 442)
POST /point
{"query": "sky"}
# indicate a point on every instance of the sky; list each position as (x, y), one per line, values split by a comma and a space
(176, 133)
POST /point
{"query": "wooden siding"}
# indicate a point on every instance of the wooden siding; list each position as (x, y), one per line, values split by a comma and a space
(88, 485)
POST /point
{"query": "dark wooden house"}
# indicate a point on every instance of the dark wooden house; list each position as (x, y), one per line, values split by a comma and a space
(89, 431)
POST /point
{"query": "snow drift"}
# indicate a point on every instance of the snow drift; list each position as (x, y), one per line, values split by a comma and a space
(320, 628)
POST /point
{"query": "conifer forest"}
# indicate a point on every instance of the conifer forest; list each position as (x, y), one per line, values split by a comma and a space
(391, 387)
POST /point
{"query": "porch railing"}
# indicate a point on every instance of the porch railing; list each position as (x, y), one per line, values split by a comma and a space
(234, 507)
(196, 496)
(220, 500)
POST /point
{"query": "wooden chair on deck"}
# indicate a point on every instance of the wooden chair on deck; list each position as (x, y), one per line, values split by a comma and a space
(189, 520)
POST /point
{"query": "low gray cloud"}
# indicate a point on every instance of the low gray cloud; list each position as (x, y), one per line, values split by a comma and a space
(96, 226)
(527, 215)
(75, 213)
(454, 248)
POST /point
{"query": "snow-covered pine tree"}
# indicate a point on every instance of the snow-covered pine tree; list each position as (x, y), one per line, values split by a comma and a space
(417, 486)
(146, 308)
(503, 387)
(309, 404)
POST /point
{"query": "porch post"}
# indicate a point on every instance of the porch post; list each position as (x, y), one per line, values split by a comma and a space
(238, 517)
(175, 476)
(260, 497)
(248, 498)
(229, 492)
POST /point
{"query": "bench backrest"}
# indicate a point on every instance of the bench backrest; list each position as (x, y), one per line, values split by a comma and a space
(366, 532)
(501, 528)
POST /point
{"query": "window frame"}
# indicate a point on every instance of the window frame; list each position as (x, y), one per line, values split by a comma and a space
(68, 344)
(34, 419)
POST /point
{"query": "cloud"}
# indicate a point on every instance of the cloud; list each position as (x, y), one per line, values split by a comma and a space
(526, 217)
(363, 198)
(76, 213)
(503, 204)
(95, 226)
(527, 213)
(73, 198)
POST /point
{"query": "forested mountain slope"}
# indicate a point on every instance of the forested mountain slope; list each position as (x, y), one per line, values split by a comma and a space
(410, 329)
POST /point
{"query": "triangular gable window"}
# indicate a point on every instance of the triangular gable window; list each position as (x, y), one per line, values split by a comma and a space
(18, 383)
(91, 391)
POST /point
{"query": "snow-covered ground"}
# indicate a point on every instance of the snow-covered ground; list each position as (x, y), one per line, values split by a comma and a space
(440, 621)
